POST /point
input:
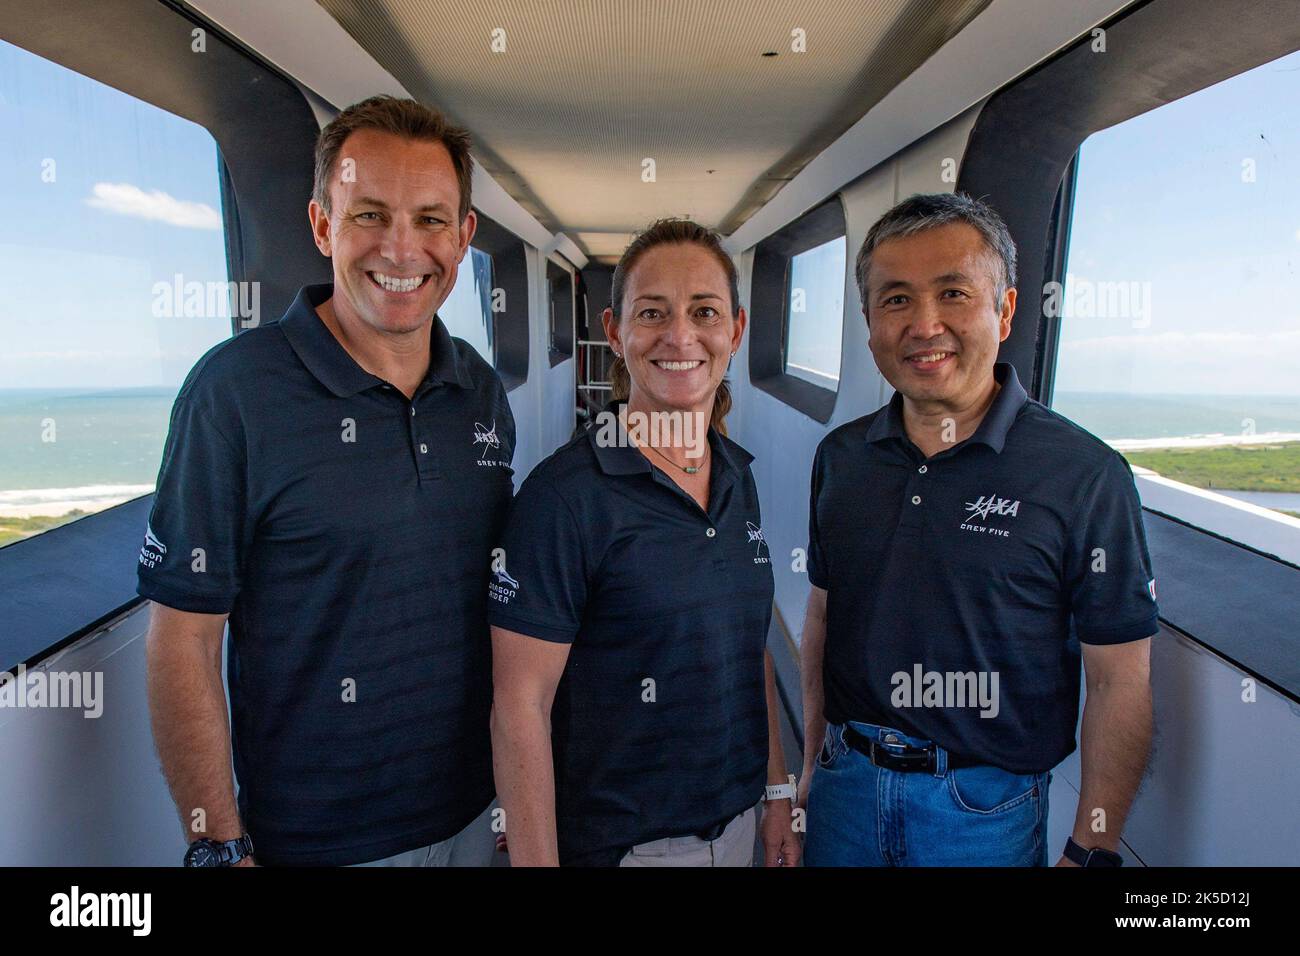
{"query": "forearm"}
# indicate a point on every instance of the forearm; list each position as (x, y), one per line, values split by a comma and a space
(811, 650)
(1114, 745)
(525, 779)
(777, 769)
(191, 728)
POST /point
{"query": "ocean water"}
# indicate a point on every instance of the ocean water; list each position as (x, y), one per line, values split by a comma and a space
(1120, 417)
(99, 438)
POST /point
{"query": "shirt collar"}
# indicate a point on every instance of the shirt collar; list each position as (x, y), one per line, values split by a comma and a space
(1011, 397)
(992, 429)
(622, 458)
(330, 362)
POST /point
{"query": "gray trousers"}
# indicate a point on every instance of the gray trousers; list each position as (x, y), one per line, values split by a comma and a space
(472, 846)
(734, 847)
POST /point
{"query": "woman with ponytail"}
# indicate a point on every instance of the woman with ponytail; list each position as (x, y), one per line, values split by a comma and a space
(634, 715)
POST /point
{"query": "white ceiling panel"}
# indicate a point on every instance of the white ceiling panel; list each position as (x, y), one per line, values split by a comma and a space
(568, 99)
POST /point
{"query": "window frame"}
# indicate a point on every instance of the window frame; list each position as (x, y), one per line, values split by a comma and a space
(787, 326)
(466, 267)
(258, 117)
(1198, 43)
(769, 296)
(509, 256)
(560, 337)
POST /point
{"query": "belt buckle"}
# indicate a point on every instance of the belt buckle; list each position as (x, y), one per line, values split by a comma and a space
(904, 762)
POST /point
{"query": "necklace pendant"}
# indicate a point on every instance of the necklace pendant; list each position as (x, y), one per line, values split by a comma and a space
(689, 470)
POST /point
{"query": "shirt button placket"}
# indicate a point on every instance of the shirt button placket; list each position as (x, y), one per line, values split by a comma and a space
(916, 499)
(911, 514)
(425, 465)
(719, 553)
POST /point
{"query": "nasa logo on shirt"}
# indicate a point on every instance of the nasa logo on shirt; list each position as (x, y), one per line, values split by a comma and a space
(760, 543)
(487, 437)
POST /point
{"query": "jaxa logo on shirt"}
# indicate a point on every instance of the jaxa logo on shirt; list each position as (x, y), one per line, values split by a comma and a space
(760, 543)
(153, 550)
(487, 437)
(985, 506)
(503, 588)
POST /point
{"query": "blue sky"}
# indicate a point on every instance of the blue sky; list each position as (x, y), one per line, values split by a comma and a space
(79, 255)
(135, 200)
(1161, 200)
(813, 341)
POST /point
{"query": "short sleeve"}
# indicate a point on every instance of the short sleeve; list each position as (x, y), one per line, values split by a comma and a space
(538, 582)
(192, 550)
(816, 558)
(1112, 589)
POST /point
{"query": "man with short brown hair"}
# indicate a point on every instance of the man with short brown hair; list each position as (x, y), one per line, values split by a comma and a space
(327, 487)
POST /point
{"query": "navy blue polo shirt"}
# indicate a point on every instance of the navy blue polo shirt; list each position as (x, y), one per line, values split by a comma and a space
(659, 724)
(960, 585)
(347, 531)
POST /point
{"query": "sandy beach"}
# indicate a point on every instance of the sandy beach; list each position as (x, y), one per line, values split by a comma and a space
(1201, 441)
(55, 502)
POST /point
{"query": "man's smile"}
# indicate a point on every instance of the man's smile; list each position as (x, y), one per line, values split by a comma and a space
(398, 284)
(930, 360)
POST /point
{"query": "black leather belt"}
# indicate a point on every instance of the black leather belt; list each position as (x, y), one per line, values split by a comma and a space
(908, 759)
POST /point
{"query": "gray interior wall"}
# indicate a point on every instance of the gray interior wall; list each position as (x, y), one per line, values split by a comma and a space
(1220, 787)
(83, 791)
(88, 792)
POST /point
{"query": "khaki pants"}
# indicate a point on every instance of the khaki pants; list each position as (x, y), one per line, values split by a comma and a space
(472, 846)
(735, 847)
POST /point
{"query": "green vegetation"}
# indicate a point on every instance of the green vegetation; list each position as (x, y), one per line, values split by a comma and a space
(1231, 467)
(15, 529)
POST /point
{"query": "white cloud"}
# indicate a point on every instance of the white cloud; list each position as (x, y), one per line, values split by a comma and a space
(127, 200)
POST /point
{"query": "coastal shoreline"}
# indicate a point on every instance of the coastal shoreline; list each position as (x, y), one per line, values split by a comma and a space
(88, 499)
(58, 502)
(1201, 441)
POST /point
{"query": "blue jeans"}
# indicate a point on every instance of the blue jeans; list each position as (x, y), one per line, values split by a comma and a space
(863, 815)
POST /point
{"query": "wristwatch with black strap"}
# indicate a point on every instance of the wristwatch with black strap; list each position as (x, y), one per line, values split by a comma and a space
(1093, 857)
(205, 852)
